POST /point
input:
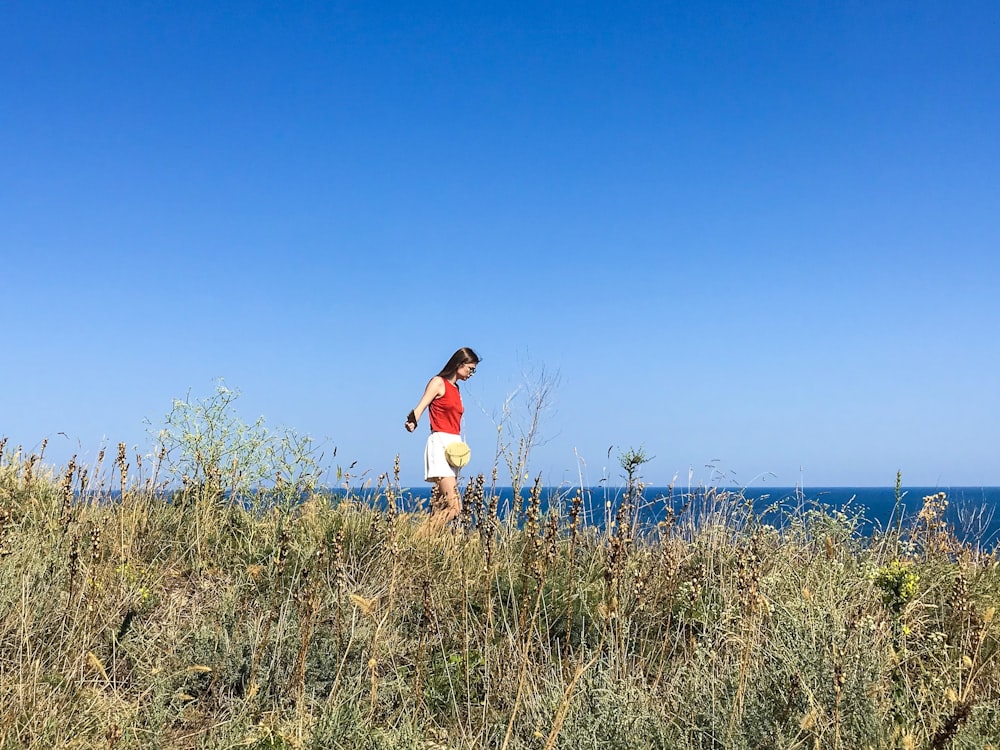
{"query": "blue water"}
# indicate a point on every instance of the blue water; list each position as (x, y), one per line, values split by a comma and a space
(972, 512)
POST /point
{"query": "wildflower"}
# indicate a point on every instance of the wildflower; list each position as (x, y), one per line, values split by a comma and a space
(898, 582)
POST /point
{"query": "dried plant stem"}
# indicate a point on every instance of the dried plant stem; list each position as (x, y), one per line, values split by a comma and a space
(564, 704)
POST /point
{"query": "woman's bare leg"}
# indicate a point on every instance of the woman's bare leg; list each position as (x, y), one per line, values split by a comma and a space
(446, 504)
(450, 502)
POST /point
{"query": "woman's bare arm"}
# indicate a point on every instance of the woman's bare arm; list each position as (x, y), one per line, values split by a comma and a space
(434, 389)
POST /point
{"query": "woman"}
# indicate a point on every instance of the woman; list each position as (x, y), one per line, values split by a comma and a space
(443, 402)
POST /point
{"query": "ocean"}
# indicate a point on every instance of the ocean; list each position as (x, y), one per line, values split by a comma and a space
(972, 512)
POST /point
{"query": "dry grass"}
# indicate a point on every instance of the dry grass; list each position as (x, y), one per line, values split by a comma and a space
(147, 619)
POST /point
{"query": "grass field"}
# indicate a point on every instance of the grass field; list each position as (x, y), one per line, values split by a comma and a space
(137, 616)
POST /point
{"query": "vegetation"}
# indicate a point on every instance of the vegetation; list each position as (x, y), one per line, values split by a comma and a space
(140, 611)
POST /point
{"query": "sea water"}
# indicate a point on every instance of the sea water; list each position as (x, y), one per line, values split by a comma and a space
(971, 511)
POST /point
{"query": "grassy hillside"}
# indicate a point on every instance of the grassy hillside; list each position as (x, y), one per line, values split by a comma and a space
(136, 617)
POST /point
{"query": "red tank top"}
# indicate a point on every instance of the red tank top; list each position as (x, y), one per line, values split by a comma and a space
(446, 411)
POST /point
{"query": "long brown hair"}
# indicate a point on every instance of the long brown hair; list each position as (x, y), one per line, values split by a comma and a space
(463, 356)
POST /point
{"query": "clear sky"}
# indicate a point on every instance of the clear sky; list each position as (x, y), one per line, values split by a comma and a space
(761, 237)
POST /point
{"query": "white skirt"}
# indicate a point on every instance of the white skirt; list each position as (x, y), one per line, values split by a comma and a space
(435, 464)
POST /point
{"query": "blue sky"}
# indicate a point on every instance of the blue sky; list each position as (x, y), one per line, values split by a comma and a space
(758, 237)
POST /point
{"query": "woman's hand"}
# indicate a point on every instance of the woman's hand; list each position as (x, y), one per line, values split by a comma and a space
(411, 422)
